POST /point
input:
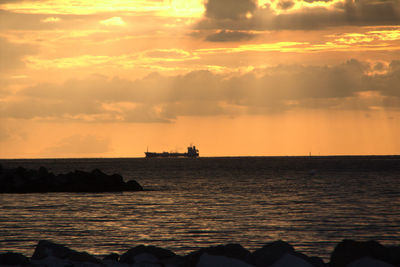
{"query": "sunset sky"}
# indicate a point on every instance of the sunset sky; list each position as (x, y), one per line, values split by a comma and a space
(104, 78)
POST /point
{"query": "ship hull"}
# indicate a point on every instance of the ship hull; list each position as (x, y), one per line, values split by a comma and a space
(169, 155)
(192, 152)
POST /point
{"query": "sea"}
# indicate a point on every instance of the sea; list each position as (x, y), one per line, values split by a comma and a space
(311, 202)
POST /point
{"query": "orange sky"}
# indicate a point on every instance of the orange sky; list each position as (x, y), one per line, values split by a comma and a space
(234, 77)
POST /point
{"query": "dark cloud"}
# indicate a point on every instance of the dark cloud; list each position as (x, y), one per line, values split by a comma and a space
(229, 9)
(312, 1)
(393, 102)
(379, 66)
(285, 4)
(387, 84)
(369, 12)
(347, 13)
(160, 99)
(193, 108)
(230, 36)
(145, 114)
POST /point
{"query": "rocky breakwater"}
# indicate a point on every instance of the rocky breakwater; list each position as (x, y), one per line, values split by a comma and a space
(21, 180)
(347, 253)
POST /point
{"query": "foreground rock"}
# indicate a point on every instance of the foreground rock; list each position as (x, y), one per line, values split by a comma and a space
(21, 180)
(222, 255)
(280, 253)
(13, 259)
(148, 255)
(347, 253)
(52, 254)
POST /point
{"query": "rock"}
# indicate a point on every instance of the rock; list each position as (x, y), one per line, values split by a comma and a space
(270, 253)
(111, 257)
(348, 251)
(369, 262)
(289, 260)
(13, 259)
(234, 251)
(132, 185)
(46, 249)
(146, 253)
(316, 261)
(20, 180)
(207, 260)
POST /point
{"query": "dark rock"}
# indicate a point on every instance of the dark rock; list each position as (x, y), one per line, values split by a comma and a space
(349, 250)
(393, 255)
(111, 257)
(207, 260)
(10, 258)
(289, 259)
(132, 185)
(159, 253)
(21, 180)
(316, 261)
(235, 251)
(368, 262)
(270, 253)
(46, 248)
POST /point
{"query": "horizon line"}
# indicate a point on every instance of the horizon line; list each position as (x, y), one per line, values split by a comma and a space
(238, 156)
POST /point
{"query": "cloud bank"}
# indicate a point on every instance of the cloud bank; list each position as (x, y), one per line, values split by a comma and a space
(159, 99)
(246, 15)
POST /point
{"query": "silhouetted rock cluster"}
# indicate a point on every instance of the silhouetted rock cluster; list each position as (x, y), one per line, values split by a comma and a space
(21, 180)
(276, 254)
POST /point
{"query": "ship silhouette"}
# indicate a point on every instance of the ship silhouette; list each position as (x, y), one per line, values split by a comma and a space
(192, 152)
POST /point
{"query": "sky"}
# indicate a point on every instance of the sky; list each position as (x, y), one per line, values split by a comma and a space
(114, 78)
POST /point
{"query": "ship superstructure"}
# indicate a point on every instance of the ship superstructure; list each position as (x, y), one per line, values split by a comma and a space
(192, 152)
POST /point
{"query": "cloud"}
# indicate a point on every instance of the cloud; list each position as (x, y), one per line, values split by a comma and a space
(30, 108)
(312, 1)
(114, 21)
(143, 113)
(167, 53)
(51, 20)
(230, 36)
(161, 99)
(304, 17)
(78, 144)
(285, 4)
(229, 9)
(388, 84)
(11, 54)
(15, 21)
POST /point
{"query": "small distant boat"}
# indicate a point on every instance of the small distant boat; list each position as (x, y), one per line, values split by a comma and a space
(192, 152)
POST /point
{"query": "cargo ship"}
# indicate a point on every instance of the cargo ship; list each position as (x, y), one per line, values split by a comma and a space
(192, 152)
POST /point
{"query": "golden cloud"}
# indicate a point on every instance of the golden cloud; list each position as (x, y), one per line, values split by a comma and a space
(114, 21)
(173, 8)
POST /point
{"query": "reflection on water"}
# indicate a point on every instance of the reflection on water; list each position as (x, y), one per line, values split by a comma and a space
(193, 205)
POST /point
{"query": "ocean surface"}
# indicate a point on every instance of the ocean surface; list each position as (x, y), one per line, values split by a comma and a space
(311, 202)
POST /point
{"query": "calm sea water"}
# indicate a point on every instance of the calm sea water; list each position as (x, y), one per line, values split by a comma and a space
(312, 203)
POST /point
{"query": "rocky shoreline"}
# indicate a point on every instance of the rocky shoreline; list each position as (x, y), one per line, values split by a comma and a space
(21, 180)
(276, 254)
